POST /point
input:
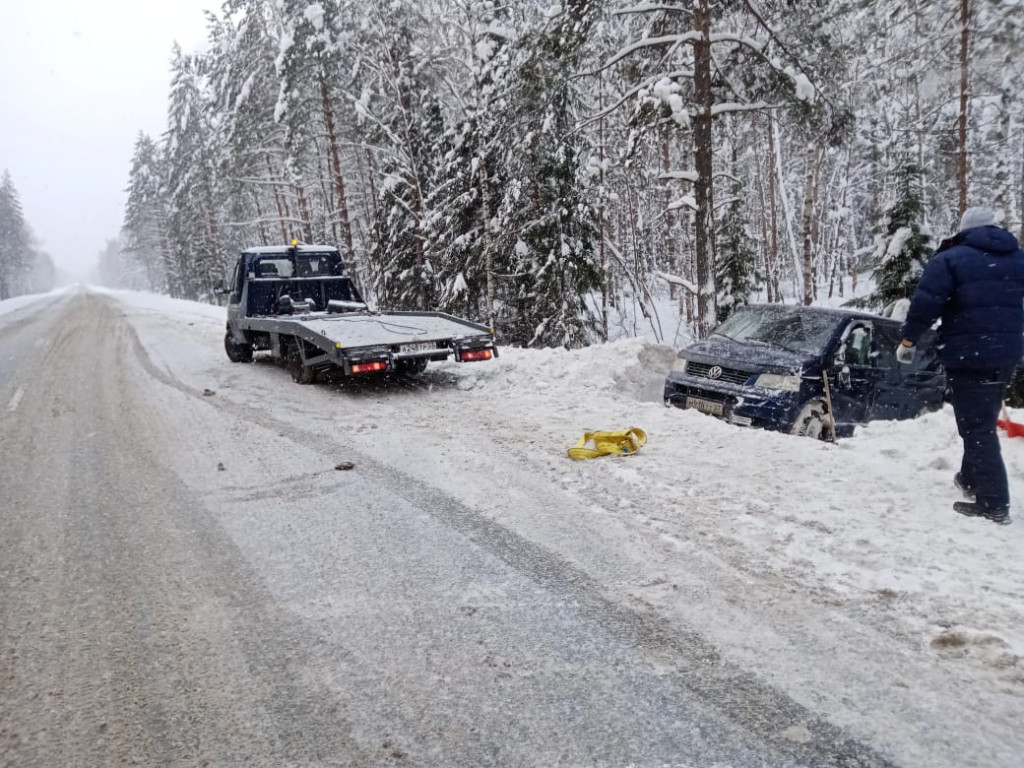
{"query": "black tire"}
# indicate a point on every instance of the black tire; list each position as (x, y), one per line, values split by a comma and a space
(812, 421)
(301, 374)
(237, 353)
(412, 367)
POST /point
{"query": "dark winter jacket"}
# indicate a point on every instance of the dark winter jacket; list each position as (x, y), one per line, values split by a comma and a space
(975, 284)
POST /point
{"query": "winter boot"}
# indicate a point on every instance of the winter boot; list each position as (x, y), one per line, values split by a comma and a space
(999, 515)
(965, 489)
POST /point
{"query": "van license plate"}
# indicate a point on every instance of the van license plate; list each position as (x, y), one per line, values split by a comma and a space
(705, 406)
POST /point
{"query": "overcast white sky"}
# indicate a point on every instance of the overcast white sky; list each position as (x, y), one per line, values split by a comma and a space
(79, 79)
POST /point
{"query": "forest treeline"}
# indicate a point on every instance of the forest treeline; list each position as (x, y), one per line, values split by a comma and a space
(24, 266)
(557, 167)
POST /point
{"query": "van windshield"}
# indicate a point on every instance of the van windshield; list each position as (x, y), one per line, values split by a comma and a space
(791, 328)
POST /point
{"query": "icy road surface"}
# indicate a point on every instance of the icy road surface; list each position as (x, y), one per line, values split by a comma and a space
(187, 580)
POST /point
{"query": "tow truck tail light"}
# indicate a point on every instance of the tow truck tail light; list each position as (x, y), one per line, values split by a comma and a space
(380, 365)
(475, 354)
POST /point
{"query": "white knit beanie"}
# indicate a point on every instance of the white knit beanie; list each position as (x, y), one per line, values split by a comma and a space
(978, 216)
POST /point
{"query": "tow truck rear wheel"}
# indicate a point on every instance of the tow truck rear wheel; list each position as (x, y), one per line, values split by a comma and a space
(237, 353)
(301, 374)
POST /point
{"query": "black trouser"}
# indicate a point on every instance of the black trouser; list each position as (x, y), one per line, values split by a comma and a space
(977, 397)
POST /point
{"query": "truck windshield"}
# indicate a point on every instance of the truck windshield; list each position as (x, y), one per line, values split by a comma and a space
(795, 329)
(286, 265)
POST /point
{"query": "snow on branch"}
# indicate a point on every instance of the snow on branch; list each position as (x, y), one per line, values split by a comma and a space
(640, 89)
(648, 7)
(654, 42)
(729, 37)
(806, 90)
(686, 201)
(677, 280)
(728, 107)
(686, 37)
(690, 176)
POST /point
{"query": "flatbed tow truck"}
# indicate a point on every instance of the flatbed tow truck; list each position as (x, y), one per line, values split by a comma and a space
(299, 303)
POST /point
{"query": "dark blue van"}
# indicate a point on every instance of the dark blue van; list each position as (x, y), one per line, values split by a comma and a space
(764, 366)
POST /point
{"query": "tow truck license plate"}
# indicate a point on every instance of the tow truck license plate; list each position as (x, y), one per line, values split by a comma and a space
(704, 406)
(421, 347)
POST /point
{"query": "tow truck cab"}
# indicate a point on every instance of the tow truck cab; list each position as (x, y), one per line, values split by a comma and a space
(314, 274)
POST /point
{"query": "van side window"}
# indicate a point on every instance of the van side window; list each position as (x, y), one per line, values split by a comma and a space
(883, 352)
(858, 346)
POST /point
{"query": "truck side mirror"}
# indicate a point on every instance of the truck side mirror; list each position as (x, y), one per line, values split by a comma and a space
(219, 289)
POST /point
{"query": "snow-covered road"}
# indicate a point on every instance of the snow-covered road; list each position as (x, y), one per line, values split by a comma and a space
(837, 575)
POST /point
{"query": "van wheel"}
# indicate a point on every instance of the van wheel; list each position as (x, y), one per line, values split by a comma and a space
(812, 421)
(237, 353)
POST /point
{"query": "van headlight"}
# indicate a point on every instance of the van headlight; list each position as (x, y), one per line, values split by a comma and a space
(679, 366)
(786, 383)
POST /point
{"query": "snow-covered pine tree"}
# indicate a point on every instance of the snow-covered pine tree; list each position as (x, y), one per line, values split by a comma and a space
(16, 260)
(550, 226)
(243, 87)
(471, 178)
(403, 251)
(737, 259)
(402, 119)
(313, 59)
(191, 193)
(145, 219)
(903, 244)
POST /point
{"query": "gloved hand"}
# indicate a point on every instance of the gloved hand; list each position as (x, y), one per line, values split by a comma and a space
(905, 354)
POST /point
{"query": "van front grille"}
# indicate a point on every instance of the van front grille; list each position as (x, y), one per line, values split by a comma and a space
(730, 375)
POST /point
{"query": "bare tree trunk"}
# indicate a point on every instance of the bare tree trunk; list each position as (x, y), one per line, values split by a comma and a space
(1002, 146)
(307, 225)
(788, 219)
(961, 161)
(330, 225)
(703, 164)
(670, 245)
(485, 204)
(287, 211)
(773, 196)
(372, 183)
(600, 216)
(278, 202)
(1022, 188)
(762, 256)
(339, 180)
(809, 256)
(841, 225)
(259, 217)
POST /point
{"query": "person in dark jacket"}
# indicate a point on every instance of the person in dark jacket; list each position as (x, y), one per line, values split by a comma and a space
(975, 284)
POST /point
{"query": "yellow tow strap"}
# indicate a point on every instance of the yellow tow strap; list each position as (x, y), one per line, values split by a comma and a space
(625, 442)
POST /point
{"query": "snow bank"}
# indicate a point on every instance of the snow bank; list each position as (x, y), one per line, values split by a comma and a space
(19, 302)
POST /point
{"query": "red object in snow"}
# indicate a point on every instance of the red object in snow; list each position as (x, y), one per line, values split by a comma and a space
(1011, 428)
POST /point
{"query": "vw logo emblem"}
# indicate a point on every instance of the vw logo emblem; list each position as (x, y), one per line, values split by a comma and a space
(715, 372)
